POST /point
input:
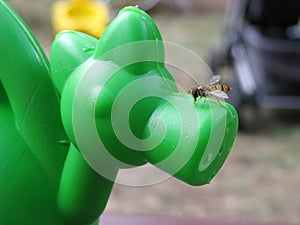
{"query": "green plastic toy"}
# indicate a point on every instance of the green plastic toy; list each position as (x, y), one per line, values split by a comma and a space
(106, 105)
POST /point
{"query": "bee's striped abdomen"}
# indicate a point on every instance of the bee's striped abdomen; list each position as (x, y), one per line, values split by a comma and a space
(221, 88)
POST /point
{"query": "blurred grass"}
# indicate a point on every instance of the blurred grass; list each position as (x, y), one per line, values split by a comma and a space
(260, 180)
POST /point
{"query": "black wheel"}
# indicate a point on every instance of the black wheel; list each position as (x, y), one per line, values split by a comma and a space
(216, 60)
(248, 112)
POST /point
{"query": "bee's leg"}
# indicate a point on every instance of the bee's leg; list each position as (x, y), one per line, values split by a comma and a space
(203, 102)
(218, 100)
(196, 102)
(224, 106)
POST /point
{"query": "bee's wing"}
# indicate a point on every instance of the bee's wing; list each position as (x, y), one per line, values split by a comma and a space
(218, 94)
(214, 80)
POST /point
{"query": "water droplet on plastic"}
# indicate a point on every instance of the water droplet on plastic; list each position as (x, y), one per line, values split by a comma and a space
(88, 49)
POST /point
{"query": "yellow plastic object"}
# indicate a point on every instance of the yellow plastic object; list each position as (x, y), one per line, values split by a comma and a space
(87, 16)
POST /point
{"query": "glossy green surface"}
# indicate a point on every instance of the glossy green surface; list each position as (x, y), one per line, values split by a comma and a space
(60, 150)
(33, 143)
(190, 141)
(31, 158)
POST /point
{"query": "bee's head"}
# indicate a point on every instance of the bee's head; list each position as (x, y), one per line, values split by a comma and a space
(194, 93)
(201, 91)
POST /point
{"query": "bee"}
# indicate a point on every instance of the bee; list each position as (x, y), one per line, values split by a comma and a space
(210, 88)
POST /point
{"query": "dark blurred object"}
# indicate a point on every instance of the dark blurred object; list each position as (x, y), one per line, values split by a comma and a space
(261, 45)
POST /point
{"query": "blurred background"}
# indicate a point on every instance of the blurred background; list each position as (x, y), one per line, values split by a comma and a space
(260, 180)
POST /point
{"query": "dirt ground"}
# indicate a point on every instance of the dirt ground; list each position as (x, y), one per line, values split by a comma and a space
(261, 178)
